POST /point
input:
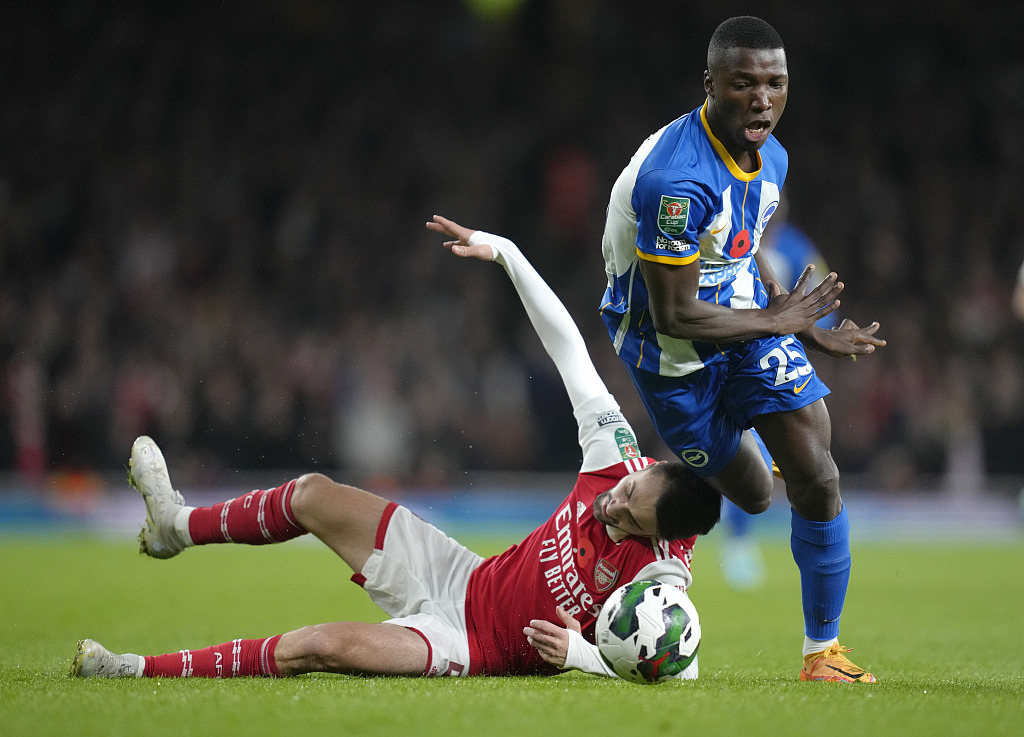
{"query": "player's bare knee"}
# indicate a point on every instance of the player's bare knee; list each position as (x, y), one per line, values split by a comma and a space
(325, 650)
(756, 506)
(816, 497)
(753, 498)
(310, 490)
(301, 651)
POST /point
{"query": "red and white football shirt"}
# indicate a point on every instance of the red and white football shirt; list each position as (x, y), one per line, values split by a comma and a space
(571, 560)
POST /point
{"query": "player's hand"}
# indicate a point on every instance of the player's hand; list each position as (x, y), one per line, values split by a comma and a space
(460, 246)
(550, 640)
(845, 340)
(798, 310)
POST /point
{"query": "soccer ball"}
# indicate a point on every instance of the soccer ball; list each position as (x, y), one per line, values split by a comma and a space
(648, 631)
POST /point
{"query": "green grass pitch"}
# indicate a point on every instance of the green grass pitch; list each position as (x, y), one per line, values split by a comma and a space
(939, 625)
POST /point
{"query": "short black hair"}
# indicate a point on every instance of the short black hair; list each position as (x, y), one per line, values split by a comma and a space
(741, 32)
(688, 506)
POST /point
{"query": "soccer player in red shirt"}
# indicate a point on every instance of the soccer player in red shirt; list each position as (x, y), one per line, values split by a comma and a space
(451, 611)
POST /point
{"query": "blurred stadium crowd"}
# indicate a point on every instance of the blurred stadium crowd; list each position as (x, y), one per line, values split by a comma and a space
(211, 225)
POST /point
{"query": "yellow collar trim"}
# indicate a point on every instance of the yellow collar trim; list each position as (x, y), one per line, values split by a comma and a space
(726, 157)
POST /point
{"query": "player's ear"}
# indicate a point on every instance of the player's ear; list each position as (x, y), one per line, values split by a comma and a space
(709, 84)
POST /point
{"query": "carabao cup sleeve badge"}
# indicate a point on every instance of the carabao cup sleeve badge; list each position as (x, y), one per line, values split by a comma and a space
(627, 444)
(673, 214)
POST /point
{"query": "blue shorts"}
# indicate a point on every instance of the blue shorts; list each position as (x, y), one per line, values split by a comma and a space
(702, 415)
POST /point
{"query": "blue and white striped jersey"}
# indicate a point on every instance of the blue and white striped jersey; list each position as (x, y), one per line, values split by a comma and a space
(683, 198)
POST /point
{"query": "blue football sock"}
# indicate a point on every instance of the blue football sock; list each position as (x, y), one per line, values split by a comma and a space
(822, 553)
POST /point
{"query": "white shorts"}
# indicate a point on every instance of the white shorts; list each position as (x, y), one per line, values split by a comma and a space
(419, 575)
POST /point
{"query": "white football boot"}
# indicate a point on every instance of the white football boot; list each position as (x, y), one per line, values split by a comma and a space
(148, 475)
(94, 661)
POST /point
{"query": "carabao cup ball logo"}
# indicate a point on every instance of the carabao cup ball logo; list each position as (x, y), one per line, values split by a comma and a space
(648, 631)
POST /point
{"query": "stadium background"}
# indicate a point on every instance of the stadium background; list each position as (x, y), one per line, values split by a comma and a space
(211, 231)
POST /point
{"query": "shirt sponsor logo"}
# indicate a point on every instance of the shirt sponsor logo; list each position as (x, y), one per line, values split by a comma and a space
(627, 444)
(673, 214)
(605, 575)
(713, 274)
(609, 417)
(694, 457)
(558, 559)
(667, 244)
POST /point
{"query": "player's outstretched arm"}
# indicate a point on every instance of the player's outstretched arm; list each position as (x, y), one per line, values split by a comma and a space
(553, 323)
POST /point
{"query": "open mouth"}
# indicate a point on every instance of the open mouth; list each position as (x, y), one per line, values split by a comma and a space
(757, 130)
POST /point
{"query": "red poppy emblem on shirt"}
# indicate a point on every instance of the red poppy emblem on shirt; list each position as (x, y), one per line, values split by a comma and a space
(605, 575)
(740, 244)
(584, 553)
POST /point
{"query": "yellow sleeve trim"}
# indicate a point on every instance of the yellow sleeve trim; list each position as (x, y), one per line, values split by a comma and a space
(670, 260)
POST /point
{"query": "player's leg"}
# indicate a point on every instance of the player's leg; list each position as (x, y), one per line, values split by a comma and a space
(355, 648)
(745, 480)
(774, 388)
(799, 442)
(742, 562)
(820, 531)
(344, 517)
(228, 660)
(257, 518)
(338, 647)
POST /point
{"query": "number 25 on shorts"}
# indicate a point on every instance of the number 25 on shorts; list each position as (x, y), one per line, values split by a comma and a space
(783, 355)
